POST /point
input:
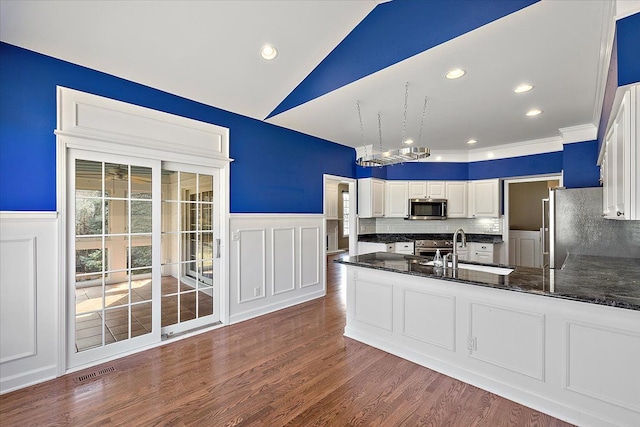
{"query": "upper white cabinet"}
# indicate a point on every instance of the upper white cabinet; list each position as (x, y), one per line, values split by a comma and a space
(456, 195)
(427, 190)
(619, 167)
(396, 199)
(331, 200)
(436, 190)
(417, 189)
(371, 197)
(484, 198)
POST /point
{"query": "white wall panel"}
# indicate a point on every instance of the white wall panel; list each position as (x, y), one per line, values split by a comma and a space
(374, 304)
(597, 361)
(17, 299)
(251, 264)
(29, 298)
(430, 318)
(285, 252)
(283, 261)
(310, 260)
(510, 339)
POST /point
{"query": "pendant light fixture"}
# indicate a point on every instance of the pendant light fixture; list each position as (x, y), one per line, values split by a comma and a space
(394, 156)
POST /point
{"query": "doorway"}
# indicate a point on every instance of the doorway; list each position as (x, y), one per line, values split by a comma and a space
(340, 201)
(523, 218)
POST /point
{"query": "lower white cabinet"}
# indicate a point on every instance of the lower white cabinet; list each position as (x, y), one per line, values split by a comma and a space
(406, 248)
(370, 247)
(483, 252)
(462, 251)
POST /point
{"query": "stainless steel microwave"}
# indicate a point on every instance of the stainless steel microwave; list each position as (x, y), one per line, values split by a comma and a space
(427, 209)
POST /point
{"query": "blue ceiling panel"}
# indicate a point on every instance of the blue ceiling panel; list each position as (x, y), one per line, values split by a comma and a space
(393, 32)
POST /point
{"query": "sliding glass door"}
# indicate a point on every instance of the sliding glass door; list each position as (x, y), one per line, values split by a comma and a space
(143, 252)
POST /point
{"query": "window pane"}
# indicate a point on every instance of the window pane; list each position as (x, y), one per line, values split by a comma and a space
(140, 182)
(116, 216)
(206, 218)
(170, 253)
(117, 294)
(170, 185)
(188, 186)
(140, 216)
(116, 179)
(141, 254)
(89, 298)
(206, 188)
(88, 178)
(89, 260)
(117, 322)
(206, 246)
(88, 216)
(140, 319)
(205, 302)
(170, 219)
(141, 290)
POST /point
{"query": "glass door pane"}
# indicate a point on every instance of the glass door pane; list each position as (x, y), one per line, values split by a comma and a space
(112, 246)
(189, 250)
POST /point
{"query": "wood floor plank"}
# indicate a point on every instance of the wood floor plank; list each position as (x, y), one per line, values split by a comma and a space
(292, 367)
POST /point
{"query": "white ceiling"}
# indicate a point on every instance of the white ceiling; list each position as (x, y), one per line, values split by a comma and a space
(207, 51)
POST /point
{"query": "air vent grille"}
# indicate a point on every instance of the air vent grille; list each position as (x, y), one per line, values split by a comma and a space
(95, 374)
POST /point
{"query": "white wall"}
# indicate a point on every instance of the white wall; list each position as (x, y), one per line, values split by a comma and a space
(29, 296)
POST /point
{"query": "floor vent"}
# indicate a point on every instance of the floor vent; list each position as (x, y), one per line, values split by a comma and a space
(95, 374)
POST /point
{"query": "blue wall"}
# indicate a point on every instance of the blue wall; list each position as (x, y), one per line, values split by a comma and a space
(275, 170)
(579, 164)
(628, 34)
(262, 179)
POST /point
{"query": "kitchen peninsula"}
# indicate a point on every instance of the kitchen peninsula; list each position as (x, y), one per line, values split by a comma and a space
(566, 342)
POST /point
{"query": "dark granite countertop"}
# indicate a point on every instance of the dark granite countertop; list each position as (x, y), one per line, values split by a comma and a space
(391, 237)
(597, 280)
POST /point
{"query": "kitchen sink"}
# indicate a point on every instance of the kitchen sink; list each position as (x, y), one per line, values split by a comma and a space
(502, 271)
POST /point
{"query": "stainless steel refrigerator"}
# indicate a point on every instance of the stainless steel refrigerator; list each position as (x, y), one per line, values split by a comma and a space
(573, 223)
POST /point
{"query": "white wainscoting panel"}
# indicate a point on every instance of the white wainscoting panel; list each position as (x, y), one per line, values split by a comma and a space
(430, 318)
(29, 298)
(374, 304)
(310, 245)
(597, 361)
(17, 299)
(251, 264)
(510, 339)
(282, 251)
(283, 248)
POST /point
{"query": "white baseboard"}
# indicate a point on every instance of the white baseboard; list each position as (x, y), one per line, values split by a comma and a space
(250, 314)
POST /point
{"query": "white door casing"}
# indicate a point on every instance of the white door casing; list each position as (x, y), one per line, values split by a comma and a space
(92, 123)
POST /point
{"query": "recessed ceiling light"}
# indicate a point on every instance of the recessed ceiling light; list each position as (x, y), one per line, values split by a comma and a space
(490, 155)
(455, 74)
(408, 141)
(525, 87)
(268, 52)
(471, 141)
(438, 158)
(534, 112)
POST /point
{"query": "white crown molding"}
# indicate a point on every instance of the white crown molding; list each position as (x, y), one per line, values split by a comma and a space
(606, 46)
(581, 133)
(517, 149)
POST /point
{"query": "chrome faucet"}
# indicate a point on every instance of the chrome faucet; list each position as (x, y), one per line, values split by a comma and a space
(454, 254)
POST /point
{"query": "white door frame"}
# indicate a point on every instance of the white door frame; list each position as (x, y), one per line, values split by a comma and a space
(353, 221)
(94, 123)
(504, 256)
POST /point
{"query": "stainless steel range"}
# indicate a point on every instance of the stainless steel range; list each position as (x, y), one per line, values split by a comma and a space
(428, 248)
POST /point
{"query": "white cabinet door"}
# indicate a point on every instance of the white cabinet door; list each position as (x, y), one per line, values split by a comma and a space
(406, 248)
(331, 200)
(370, 247)
(417, 189)
(484, 198)
(619, 167)
(370, 198)
(396, 199)
(456, 199)
(436, 190)
(482, 252)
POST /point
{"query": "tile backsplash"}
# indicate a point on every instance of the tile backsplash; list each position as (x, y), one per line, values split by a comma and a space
(401, 225)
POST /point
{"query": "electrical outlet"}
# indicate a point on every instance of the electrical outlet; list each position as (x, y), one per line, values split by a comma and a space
(256, 291)
(235, 237)
(472, 343)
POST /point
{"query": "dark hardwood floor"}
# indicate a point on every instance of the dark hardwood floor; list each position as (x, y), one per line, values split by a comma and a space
(292, 367)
